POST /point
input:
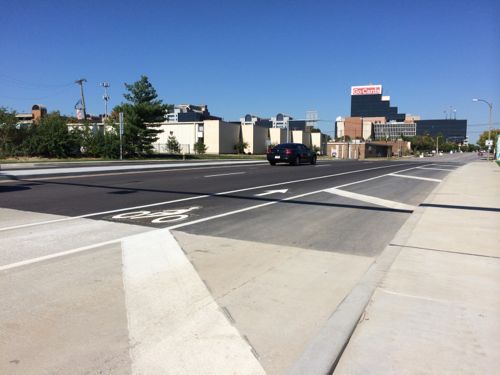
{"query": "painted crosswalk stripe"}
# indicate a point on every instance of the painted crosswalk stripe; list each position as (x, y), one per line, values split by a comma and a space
(415, 177)
(371, 199)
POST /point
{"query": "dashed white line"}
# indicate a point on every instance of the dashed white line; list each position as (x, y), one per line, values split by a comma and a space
(195, 197)
(274, 202)
(149, 171)
(69, 252)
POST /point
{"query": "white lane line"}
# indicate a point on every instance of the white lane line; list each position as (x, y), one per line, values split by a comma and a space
(56, 255)
(415, 177)
(37, 172)
(437, 169)
(202, 220)
(224, 174)
(102, 213)
(130, 172)
(371, 199)
(196, 197)
(312, 179)
(174, 323)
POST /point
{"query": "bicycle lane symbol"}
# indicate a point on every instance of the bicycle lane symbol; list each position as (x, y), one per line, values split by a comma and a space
(158, 217)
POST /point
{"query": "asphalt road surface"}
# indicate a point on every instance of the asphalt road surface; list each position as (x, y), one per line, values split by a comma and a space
(61, 232)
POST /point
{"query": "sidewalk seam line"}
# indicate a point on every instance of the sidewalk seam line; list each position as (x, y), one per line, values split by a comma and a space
(444, 251)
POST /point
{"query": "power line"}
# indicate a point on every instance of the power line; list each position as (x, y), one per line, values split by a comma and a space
(55, 93)
(26, 84)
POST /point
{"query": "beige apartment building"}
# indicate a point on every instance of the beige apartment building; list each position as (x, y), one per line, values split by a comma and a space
(256, 137)
(218, 136)
(190, 124)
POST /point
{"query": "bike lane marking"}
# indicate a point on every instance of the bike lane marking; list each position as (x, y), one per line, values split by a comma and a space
(164, 216)
(202, 196)
(90, 247)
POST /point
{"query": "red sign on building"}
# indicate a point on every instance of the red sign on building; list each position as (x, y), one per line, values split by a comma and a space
(366, 90)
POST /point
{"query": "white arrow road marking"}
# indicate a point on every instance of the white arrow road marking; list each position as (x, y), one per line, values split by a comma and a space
(175, 326)
(415, 177)
(282, 191)
(370, 199)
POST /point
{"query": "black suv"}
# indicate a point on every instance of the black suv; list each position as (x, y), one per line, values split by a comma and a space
(293, 153)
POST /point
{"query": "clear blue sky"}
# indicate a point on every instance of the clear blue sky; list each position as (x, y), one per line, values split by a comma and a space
(252, 56)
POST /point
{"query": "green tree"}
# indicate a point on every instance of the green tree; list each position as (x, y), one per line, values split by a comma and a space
(142, 113)
(173, 145)
(11, 136)
(422, 143)
(200, 147)
(484, 137)
(240, 147)
(50, 138)
(100, 143)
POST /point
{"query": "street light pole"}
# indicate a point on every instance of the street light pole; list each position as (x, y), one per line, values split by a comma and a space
(437, 145)
(490, 105)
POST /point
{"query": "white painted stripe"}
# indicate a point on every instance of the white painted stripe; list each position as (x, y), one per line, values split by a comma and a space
(133, 172)
(415, 177)
(102, 213)
(224, 174)
(436, 169)
(175, 326)
(37, 172)
(312, 179)
(371, 199)
(52, 256)
(57, 255)
(194, 198)
(202, 220)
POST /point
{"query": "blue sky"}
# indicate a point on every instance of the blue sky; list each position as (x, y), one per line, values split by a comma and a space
(252, 56)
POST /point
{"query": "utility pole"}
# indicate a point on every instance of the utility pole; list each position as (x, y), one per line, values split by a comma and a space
(80, 82)
(106, 98)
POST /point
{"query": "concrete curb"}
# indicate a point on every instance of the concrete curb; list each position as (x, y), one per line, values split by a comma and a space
(324, 351)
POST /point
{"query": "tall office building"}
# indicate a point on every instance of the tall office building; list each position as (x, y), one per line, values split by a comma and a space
(450, 130)
(368, 101)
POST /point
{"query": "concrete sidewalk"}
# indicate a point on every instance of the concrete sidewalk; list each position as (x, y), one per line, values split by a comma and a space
(437, 310)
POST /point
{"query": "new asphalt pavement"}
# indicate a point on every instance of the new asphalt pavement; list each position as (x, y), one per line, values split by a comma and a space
(92, 259)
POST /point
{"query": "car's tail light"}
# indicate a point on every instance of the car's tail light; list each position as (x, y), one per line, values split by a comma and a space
(288, 151)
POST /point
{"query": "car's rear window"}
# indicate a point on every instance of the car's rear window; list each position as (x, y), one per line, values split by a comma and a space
(286, 145)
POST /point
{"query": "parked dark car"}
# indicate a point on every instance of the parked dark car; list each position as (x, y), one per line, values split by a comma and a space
(292, 153)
